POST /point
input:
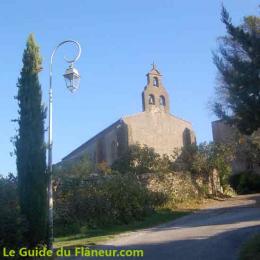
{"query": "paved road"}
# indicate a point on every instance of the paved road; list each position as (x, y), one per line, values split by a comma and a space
(214, 233)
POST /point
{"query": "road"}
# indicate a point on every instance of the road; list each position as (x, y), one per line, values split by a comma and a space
(213, 233)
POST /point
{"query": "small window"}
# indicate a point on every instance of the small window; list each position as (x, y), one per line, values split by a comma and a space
(155, 82)
(151, 99)
(162, 101)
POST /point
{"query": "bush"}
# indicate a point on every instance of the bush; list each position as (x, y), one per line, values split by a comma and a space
(174, 189)
(80, 167)
(202, 159)
(251, 249)
(100, 201)
(141, 159)
(245, 182)
(10, 219)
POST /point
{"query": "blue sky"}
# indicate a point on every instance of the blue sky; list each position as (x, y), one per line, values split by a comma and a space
(119, 39)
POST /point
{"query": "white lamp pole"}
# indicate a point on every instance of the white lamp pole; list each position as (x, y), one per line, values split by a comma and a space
(72, 79)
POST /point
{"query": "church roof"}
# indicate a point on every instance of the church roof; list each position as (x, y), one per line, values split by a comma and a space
(81, 147)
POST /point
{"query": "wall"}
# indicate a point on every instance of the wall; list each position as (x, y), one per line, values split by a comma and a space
(105, 146)
(159, 130)
(223, 133)
(182, 186)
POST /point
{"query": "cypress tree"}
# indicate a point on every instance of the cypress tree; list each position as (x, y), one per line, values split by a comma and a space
(30, 147)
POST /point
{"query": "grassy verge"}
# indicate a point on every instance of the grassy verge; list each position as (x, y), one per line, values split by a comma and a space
(251, 249)
(96, 236)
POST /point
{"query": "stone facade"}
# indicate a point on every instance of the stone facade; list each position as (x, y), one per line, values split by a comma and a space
(154, 127)
(225, 134)
(107, 146)
(182, 186)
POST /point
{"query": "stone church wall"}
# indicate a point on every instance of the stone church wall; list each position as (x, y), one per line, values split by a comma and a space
(105, 146)
(159, 130)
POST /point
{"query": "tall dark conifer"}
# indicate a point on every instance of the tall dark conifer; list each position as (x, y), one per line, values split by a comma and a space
(30, 147)
(238, 64)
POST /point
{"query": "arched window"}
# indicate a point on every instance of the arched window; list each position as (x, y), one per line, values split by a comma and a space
(155, 82)
(151, 99)
(162, 101)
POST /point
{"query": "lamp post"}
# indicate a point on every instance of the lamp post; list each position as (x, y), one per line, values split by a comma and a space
(72, 79)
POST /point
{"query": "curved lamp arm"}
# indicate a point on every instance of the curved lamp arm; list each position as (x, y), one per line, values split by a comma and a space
(62, 43)
(67, 60)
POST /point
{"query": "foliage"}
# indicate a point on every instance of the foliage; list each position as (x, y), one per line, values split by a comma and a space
(245, 182)
(30, 147)
(238, 64)
(10, 219)
(103, 168)
(202, 159)
(175, 189)
(248, 151)
(220, 158)
(99, 201)
(141, 159)
(184, 158)
(77, 168)
(96, 236)
(251, 249)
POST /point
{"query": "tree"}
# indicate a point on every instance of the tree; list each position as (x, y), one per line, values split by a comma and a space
(80, 167)
(202, 159)
(238, 64)
(30, 147)
(248, 151)
(141, 159)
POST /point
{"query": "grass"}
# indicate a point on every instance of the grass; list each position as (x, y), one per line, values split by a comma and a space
(96, 236)
(251, 249)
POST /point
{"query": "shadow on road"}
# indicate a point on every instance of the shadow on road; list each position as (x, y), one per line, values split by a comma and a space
(210, 234)
(224, 246)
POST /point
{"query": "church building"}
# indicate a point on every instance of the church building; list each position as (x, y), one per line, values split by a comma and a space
(155, 127)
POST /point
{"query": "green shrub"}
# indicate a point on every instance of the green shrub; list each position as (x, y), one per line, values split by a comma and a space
(251, 249)
(141, 159)
(202, 159)
(80, 167)
(100, 201)
(11, 227)
(174, 189)
(245, 182)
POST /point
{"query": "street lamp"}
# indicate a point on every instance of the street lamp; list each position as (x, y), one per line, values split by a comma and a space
(72, 79)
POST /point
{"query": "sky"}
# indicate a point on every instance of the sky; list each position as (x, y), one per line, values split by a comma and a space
(119, 40)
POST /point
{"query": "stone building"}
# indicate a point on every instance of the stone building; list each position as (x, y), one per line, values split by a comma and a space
(225, 134)
(155, 127)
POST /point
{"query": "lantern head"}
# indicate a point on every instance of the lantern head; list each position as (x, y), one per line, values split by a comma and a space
(72, 78)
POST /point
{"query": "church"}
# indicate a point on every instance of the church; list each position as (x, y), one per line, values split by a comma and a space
(155, 127)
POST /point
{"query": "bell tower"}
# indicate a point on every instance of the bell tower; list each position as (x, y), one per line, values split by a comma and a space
(155, 97)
